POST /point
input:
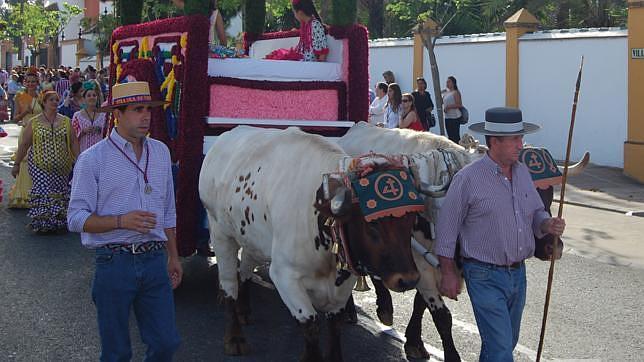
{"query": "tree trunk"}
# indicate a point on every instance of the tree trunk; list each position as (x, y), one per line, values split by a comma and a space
(376, 10)
(428, 41)
(254, 16)
(377, 18)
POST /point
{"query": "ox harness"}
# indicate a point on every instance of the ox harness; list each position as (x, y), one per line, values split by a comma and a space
(382, 186)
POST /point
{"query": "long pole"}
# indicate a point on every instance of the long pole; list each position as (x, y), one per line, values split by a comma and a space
(555, 240)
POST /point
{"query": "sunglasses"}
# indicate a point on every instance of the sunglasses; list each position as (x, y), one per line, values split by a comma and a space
(406, 100)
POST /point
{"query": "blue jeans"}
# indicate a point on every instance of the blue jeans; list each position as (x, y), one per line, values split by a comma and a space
(125, 281)
(498, 297)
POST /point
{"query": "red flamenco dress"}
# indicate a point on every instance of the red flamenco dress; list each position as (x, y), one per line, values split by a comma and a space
(312, 44)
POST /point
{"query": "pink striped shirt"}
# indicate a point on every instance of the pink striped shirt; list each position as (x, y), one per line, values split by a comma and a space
(81, 122)
(495, 218)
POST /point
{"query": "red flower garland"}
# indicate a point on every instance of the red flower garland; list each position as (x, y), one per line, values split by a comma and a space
(358, 68)
(193, 109)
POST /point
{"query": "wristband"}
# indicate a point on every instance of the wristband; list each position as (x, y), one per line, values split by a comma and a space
(118, 221)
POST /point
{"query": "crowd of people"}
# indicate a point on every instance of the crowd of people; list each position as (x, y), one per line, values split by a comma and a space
(391, 108)
(57, 110)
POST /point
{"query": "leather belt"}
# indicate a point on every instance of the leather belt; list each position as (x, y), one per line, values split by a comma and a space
(511, 266)
(138, 248)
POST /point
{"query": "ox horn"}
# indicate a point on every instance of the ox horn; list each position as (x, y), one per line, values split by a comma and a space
(579, 167)
(341, 201)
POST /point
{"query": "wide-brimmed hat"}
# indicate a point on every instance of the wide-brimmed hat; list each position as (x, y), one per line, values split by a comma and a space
(125, 94)
(504, 121)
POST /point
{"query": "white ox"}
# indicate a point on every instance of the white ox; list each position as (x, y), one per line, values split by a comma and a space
(437, 159)
(263, 191)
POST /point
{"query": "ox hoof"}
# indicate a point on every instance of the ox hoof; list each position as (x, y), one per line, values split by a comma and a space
(416, 351)
(386, 317)
(236, 347)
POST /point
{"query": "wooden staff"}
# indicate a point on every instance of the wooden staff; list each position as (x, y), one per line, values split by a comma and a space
(555, 240)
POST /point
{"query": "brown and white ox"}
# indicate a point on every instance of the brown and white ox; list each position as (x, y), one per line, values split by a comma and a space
(264, 193)
(437, 159)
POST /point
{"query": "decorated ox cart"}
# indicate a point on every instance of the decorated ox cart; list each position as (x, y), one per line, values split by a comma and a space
(209, 95)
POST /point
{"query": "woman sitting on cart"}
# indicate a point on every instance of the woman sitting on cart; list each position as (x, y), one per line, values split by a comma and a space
(313, 46)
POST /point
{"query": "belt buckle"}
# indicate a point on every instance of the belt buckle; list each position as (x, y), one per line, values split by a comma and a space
(134, 251)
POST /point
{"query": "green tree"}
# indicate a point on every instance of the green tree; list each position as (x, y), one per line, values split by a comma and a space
(35, 23)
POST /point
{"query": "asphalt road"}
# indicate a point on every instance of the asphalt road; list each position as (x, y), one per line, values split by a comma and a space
(46, 311)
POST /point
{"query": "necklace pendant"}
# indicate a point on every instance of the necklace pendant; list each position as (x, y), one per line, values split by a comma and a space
(147, 189)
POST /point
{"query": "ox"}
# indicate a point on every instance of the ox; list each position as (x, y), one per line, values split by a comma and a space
(265, 192)
(437, 159)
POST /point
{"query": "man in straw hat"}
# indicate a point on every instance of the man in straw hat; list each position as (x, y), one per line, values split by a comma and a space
(492, 207)
(122, 203)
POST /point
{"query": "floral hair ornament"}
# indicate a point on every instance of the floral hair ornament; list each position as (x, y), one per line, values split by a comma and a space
(89, 85)
(296, 2)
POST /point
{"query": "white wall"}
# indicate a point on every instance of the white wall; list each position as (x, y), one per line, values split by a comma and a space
(68, 55)
(548, 72)
(479, 69)
(396, 55)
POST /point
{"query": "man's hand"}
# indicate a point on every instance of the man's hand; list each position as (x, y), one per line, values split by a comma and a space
(554, 226)
(450, 285)
(175, 272)
(139, 221)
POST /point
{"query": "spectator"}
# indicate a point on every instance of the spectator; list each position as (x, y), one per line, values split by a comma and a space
(90, 73)
(101, 78)
(4, 78)
(89, 124)
(62, 86)
(393, 109)
(13, 87)
(73, 101)
(4, 112)
(423, 104)
(377, 108)
(409, 118)
(388, 75)
(50, 153)
(452, 104)
(372, 95)
(48, 82)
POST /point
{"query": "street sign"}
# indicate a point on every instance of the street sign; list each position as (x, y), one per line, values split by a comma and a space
(637, 53)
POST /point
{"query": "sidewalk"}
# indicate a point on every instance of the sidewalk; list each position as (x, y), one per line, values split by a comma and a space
(605, 188)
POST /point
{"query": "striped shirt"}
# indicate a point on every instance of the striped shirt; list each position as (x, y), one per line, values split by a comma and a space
(495, 218)
(105, 183)
(61, 87)
(4, 76)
